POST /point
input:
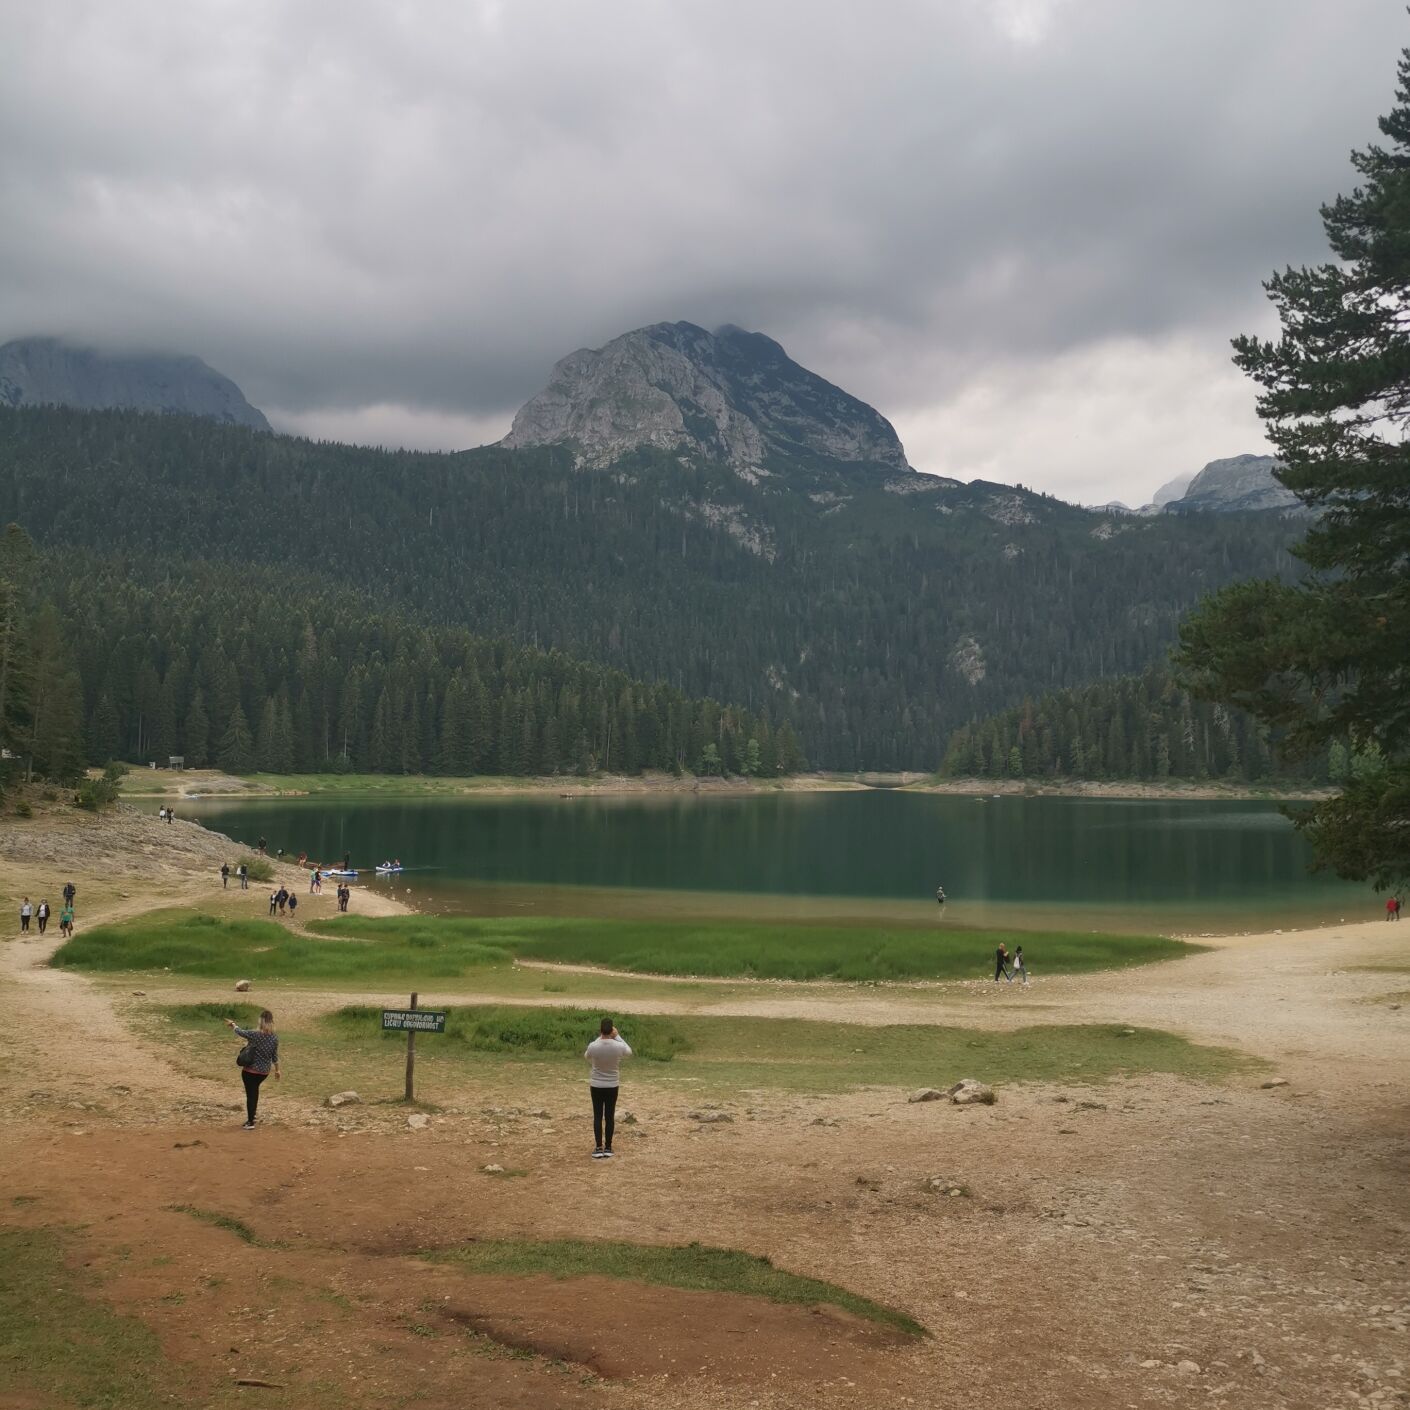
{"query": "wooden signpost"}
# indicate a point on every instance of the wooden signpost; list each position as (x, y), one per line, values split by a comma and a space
(412, 1021)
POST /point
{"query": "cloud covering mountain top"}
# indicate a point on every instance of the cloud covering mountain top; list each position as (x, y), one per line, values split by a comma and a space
(1023, 230)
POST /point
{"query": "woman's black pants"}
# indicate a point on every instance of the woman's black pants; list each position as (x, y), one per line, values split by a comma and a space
(252, 1082)
(604, 1113)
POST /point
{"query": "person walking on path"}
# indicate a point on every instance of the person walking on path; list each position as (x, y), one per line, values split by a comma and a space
(261, 847)
(1001, 963)
(314, 882)
(293, 904)
(282, 898)
(273, 901)
(256, 1060)
(42, 916)
(69, 893)
(1392, 908)
(344, 896)
(244, 874)
(26, 910)
(605, 1053)
(66, 921)
(1019, 968)
(224, 875)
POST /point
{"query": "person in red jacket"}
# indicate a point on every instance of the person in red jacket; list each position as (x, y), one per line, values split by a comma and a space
(1392, 907)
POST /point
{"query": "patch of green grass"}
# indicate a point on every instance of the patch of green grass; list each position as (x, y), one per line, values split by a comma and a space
(395, 785)
(59, 1347)
(527, 1031)
(191, 943)
(418, 950)
(742, 949)
(227, 1222)
(796, 1054)
(696, 1267)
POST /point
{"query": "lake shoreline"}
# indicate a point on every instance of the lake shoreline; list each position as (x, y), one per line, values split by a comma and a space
(214, 784)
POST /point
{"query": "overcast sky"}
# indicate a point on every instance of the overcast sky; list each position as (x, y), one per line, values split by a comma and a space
(1023, 229)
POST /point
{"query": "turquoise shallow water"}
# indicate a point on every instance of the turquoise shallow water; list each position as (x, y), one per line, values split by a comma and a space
(1165, 865)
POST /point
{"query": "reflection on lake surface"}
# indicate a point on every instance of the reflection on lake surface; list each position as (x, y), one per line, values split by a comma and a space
(1095, 863)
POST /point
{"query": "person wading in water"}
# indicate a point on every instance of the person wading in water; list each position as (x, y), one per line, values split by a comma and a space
(605, 1053)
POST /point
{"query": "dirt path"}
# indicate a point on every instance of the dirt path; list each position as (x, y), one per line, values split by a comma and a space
(63, 1038)
(1153, 1242)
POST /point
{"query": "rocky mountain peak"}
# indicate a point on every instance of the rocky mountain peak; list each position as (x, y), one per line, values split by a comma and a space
(47, 371)
(1236, 483)
(730, 396)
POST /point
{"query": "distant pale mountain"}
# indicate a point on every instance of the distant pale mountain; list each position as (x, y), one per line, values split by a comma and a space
(730, 397)
(48, 372)
(1172, 489)
(1241, 482)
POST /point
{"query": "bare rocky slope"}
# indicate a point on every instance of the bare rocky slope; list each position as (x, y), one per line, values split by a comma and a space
(729, 396)
(1240, 482)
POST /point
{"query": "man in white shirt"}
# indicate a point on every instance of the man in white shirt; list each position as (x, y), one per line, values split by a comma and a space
(605, 1053)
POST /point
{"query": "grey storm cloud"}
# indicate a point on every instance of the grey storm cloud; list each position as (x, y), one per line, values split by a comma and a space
(1024, 229)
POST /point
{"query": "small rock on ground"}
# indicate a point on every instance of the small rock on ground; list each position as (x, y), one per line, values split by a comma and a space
(968, 1092)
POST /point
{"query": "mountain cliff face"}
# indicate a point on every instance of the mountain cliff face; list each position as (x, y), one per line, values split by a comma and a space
(45, 371)
(1240, 482)
(729, 396)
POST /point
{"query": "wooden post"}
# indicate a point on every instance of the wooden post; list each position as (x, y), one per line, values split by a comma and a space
(411, 1059)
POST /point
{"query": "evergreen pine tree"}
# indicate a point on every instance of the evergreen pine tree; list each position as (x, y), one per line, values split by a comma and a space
(1329, 657)
(235, 752)
(196, 737)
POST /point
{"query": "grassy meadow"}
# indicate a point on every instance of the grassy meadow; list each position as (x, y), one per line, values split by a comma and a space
(413, 951)
(509, 1048)
(539, 1040)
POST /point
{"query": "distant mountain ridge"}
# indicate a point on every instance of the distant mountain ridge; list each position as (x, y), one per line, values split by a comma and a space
(731, 397)
(1240, 482)
(50, 372)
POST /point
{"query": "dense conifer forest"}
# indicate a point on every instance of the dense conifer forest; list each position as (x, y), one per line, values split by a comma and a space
(261, 670)
(873, 614)
(1143, 727)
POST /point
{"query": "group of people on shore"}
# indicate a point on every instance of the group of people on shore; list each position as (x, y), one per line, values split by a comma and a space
(40, 914)
(282, 901)
(280, 898)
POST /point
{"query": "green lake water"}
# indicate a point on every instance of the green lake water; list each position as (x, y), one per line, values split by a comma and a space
(1174, 867)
